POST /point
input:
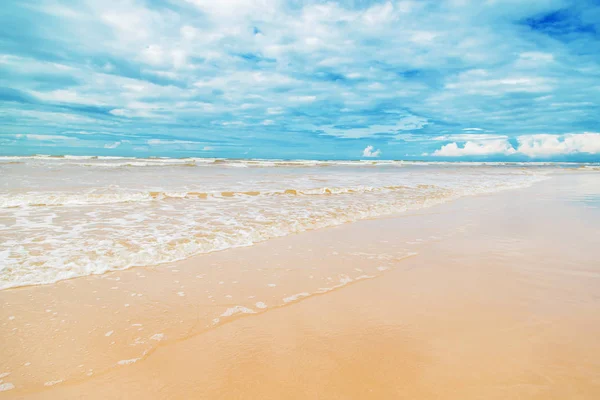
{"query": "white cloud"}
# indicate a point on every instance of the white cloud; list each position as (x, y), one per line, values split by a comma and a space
(112, 145)
(81, 132)
(59, 11)
(473, 148)
(529, 145)
(550, 145)
(303, 99)
(224, 11)
(136, 109)
(411, 137)
(119, 112)
(376, 86)
(465, 137)
(370, 152)
(274, 110)
(379, 14)
(423, 37)
(533, 59)
(153, 54)
(245, 80)
(50, 138)
(66, 96)
(411, 122)
(52, 118)
(232, 123)
(479, 81)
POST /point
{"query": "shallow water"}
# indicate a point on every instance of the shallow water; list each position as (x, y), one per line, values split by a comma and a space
(66, 217)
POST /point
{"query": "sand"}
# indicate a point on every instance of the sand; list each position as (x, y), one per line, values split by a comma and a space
(487, 297)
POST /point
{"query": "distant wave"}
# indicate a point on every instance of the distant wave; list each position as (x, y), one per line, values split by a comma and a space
(116, 162)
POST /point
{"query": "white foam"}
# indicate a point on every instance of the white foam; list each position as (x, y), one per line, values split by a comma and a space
(129, 361)
(237, 310)
(295, 297)
(260, 304)
(50, 199)
(6, 386)
(52, 383)
(66, 229)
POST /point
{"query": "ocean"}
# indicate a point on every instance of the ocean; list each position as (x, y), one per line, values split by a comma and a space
(71, 216)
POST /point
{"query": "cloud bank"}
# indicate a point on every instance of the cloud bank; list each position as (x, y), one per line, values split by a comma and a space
(300, 78)
(542, 145)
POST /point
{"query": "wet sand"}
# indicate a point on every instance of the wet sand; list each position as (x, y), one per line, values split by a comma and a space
(487, 297)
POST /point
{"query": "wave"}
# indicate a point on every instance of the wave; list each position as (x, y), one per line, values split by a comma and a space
(118, 162)
(48, 244)
(65, 199)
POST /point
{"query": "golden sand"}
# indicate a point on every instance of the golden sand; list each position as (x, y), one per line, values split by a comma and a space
(502, 300)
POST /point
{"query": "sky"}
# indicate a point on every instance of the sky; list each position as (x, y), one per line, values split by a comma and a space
(497, 80)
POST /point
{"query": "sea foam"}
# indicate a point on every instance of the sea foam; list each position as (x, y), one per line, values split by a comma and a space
(82, 220)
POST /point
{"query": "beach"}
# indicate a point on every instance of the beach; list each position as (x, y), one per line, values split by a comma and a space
(299, 199)
(300, 280)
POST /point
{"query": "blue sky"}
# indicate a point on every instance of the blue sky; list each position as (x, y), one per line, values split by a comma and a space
(456, 79)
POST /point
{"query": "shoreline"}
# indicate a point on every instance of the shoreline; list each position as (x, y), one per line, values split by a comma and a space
(165, 301)
(305, 226)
